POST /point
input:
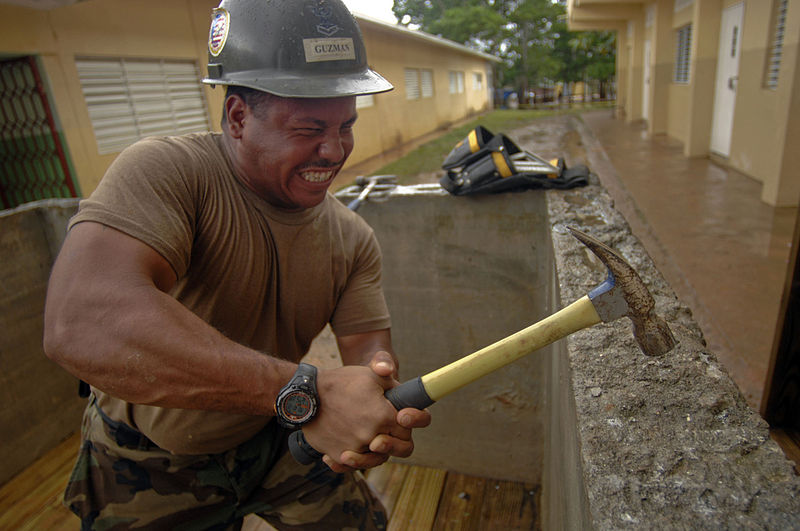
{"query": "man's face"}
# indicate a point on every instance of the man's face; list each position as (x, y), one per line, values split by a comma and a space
(288, 150)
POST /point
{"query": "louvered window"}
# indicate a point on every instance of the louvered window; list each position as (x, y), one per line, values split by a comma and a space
(129, 99)
(776, 48)
(683, 54)
(456, 82)
(427, 83)
(412, 84)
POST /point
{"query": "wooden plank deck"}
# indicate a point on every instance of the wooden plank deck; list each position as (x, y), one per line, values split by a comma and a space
(32, 499)
(417, 498)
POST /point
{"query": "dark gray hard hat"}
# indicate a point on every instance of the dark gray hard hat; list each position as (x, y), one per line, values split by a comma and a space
(290, 48)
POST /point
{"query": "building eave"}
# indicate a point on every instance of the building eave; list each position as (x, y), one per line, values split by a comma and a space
(427, 37)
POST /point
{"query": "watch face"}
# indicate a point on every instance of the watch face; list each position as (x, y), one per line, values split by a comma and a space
(297, 406)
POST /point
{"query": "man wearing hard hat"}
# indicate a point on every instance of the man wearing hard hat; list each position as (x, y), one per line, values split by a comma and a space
(194, 279)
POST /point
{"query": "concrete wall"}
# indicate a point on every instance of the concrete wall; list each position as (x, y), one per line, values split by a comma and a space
(460, 274)
(40, 401)
(179, 30)
(665, 442)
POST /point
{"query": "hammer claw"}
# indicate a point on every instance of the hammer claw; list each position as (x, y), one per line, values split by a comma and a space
(624, 294)
(653, 335)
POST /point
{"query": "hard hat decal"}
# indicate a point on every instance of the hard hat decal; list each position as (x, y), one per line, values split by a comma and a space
(318, 50)
(220, 24)
(326, 26)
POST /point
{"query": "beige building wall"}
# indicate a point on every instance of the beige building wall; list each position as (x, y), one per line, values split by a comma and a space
(765, 141)
(178, 29)
(395, 120)
(765, 130)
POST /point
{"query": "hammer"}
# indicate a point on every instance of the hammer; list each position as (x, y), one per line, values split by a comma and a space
(622, 294)
(370, 184)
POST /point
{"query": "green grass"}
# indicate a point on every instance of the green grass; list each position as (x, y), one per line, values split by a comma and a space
(428, 157)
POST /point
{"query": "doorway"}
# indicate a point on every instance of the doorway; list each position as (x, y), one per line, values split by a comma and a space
(730, 45)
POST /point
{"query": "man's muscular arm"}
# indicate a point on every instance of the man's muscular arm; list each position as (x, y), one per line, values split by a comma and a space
(110, 322)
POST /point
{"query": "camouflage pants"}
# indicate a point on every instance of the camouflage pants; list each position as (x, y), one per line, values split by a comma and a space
(121, 480)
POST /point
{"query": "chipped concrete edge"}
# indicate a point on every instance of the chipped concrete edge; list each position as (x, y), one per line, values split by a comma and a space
(665, 442)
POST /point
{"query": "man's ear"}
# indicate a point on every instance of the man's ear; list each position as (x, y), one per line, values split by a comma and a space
(235, 113)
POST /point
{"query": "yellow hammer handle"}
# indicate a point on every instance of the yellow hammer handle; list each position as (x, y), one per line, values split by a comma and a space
(422, 392)
(577, 316)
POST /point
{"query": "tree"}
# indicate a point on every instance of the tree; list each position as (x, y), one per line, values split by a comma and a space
(587, 56)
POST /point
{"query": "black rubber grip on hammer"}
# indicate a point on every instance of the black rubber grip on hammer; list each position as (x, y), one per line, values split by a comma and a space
(409, 394)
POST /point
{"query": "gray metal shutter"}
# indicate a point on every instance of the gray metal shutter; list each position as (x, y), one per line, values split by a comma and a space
(683, 54)
(776, 50)
(129, 99)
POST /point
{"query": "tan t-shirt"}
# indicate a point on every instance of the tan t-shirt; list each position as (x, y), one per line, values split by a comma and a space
(266, 278)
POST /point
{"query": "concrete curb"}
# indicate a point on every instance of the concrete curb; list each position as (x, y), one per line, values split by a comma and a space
(664, 442)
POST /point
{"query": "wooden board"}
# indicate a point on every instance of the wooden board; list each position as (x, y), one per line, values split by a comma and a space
(419, 499)
(387, 483)
(32, 499)
(472, 503)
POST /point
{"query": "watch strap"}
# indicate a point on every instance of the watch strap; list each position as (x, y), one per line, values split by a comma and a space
(305, 375)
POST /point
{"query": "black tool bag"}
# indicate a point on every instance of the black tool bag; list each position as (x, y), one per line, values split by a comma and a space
(484, 163)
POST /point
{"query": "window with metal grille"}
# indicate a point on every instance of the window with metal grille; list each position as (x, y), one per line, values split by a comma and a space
(776, 44)
(456, 82)
(129, 99)
(683, 54)
(427, 83)
(412, 83)
(34, 163)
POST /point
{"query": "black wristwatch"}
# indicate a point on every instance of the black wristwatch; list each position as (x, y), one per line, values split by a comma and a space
(297, 402)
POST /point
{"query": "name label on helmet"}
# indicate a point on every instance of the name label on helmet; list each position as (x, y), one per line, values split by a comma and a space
(318, 50)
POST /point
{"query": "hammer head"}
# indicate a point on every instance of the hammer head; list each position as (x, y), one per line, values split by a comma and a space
(624, 294)
(362, 180)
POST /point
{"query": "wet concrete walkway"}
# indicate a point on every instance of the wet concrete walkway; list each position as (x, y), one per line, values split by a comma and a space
(722, 249)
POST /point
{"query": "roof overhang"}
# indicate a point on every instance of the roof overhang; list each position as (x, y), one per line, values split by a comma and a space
(602, 14)
(421, 35)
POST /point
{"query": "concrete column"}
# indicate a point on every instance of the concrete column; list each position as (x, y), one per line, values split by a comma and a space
(622, 72)
(662, 52)
(635, 67)
(703, 70)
